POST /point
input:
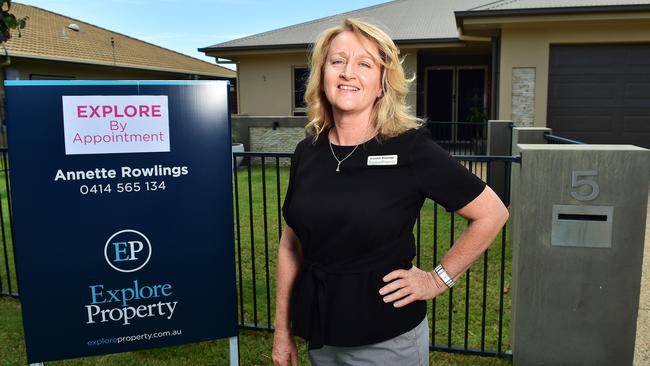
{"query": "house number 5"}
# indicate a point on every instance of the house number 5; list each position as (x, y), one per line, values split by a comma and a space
(578, 179)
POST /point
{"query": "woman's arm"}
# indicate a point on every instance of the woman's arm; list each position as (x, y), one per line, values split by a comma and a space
(285, 352)
(487, 215)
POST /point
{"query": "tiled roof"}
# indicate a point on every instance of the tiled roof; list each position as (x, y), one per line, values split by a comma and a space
(403, 20)
(47, 36)
(415, 20)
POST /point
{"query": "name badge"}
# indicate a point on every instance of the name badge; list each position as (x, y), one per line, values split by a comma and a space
(382, 160)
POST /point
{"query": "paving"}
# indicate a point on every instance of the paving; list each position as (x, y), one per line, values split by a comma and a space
(642, 347)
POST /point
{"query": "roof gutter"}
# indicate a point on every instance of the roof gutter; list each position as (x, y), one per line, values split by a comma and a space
(303, 46)
(464, 37)
(15, 54)
(552, 11)
(225, 61)
(251, 48)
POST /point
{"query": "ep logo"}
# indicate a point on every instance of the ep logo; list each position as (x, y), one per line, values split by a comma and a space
(127, 251)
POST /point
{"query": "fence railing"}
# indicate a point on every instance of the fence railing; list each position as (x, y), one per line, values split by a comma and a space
(471, 318)
(8, 279)
(460, 138)
(554, 139)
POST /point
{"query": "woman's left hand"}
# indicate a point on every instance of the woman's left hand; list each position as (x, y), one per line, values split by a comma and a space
(410, 285)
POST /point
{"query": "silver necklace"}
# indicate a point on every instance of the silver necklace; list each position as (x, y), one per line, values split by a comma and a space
(338, 166)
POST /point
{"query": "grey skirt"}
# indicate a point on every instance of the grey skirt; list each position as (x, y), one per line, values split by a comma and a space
(408, 349)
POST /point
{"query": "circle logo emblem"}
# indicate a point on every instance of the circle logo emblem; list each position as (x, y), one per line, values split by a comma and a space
(127, 250)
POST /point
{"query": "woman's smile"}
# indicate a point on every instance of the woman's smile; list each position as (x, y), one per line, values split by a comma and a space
(348, 88)
(352, 74)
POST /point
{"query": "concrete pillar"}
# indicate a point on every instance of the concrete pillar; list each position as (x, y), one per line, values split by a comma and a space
(498, 144)
(527, 135)
(578, 223)
(523, 135)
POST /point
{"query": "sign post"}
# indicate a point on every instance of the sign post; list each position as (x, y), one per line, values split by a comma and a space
(122, 209)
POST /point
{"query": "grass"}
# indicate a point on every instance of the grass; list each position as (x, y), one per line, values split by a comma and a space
(256, 251)
(254, 348)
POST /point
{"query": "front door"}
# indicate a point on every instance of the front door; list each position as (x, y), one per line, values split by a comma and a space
(455, 94)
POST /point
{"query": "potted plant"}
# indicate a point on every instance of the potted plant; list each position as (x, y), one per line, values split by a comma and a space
(479, 143)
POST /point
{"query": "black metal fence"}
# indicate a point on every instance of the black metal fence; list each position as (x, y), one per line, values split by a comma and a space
(8, 280)
(471, 318)
(554, 139)
(460, 138)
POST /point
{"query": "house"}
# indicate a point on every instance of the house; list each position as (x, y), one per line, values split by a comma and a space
(54, 46)
(580, 67)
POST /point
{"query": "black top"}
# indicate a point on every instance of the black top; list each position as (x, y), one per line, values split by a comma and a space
(355, 226)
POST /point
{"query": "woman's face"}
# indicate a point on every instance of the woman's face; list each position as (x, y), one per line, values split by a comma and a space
(351, 76)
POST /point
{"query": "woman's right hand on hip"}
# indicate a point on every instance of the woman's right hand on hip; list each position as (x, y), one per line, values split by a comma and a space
(285, 352)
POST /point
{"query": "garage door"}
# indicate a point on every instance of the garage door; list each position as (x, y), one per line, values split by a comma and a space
(600, 93)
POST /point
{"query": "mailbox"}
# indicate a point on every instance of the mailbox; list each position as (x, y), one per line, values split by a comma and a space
(582, 226)
(578, 215)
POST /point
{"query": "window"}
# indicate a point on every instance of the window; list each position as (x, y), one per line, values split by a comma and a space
(233, 97)
(300, 78)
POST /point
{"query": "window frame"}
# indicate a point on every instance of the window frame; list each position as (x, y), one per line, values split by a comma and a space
(295, 110)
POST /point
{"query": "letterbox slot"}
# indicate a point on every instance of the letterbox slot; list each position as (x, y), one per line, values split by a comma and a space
(582, 217)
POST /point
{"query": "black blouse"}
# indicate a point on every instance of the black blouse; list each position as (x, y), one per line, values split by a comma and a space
(356, 225)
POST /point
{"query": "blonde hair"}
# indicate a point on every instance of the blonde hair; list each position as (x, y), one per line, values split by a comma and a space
(391, 116)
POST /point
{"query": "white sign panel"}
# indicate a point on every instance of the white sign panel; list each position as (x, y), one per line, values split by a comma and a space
(112, 124)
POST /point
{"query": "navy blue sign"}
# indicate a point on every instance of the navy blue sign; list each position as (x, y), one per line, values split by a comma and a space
(122, 207)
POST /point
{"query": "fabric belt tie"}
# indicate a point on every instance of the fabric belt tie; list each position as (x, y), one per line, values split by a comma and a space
(309, 297)
(315, 287)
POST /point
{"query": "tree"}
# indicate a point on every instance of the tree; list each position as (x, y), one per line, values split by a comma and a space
(8, 22)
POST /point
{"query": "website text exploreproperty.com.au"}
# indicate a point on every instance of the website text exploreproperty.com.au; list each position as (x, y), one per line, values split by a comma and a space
(135, 338)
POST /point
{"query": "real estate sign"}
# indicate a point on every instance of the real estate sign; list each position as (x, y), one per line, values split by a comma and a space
(122, 213)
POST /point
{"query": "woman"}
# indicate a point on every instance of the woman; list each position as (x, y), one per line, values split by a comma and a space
(345, 279)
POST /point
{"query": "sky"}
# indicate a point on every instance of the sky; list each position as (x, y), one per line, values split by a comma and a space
(185, 25)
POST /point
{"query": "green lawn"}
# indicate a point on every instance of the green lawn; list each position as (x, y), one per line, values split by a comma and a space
(252, 247)
(255, 349)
